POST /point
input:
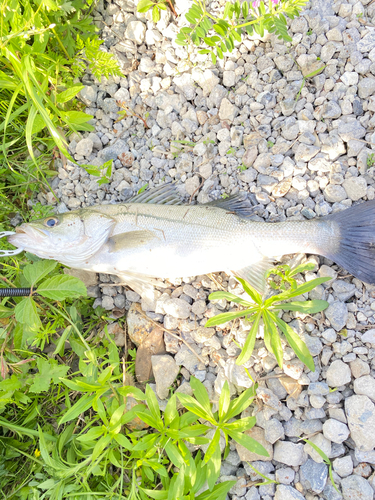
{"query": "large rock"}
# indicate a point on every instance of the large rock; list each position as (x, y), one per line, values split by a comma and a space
(360, 412)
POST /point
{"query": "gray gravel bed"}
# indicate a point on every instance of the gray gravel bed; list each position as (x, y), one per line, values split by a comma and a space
(297, 159)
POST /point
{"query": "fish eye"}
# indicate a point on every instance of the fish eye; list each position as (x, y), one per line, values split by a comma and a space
(51, 222)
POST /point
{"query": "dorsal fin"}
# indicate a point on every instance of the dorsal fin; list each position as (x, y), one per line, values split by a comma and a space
(166, 194)
(237, 203)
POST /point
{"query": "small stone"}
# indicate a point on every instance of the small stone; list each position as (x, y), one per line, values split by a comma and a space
(331, 110)
(285, 475)
(359, 367)
(367, 43)
(107, 302)
(202, 334)
(360, 413)
(284, 492)
(273, 430)
(356, 488)
(338, 374)
(256, 433)
(227, 111)
(192, 185)
(355, 187)
(349, 78)
(84, 147)
(313, 476)
(289, 453)
(335, 431)
(139, 327)
(366, 87)
(178, 308)
(88, 94)
(165, 371)
(369, 337)
(365, 386)
(351, 130)
(305, 152)
(334, 193)
(337, 314)
(343, 466)
(136, 31)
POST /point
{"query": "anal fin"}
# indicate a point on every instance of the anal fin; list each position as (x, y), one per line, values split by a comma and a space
(143, 284)
(255, 273)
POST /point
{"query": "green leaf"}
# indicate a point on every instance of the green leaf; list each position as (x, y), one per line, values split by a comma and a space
(225, 317)
(213, 468)
(219, 30)
(144, 5)
(201, 394)
(224, 400)
(69, 94)
(61, 342)
(245, 9)
(219, 492)
(249, 342)
(248, 442)
(170, 412)
(174, 454)
(26, 313)
(155, 14)
(239, 404)
(83, 404)
(256, 297)
(241, 425)
(297, 344)
(300, 290)
(307, 307)
(77, 119)
(192, 405)
(123, 441)
(62, 287)
(308, 266)
(230, 297)
(275, 338)
(212, 447)
(48, 370)
(152, 403)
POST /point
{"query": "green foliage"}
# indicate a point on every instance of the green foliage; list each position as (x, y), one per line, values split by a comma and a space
(221, 34)
(370, 160)
(284, 275)
(260, 310)
(41, 52)
(222, 422)
(156, 7)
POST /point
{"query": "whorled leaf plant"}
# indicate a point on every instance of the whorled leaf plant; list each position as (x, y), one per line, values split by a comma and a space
(259, 310)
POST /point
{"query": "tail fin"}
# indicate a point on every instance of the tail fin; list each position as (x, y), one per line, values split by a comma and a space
(356, 249)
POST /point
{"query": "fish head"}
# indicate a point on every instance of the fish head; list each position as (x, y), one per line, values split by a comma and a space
(70, 238)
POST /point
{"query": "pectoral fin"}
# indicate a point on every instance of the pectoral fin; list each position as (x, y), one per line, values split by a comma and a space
(143, 284)
(255, 274)
(130, 239)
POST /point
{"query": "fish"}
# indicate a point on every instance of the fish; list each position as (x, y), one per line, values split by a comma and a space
(154, 236)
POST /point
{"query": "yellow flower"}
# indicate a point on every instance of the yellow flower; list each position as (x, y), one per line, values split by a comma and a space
(37, 453)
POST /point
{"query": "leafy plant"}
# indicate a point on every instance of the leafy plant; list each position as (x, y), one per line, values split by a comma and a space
(286, 275)
(222, 423)
(242, 168)
(259, 310)
(220, 34)
(156, 6)
(310, 75)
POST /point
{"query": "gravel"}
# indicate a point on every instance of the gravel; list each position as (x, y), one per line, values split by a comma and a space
(296, 159)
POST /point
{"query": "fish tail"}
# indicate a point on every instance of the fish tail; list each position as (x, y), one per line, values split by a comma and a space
(353, 246)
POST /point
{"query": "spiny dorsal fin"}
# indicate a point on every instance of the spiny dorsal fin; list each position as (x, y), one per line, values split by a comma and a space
(237, 203)
(166, 194)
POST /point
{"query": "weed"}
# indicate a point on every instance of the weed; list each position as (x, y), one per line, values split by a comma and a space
(242, 168)
(310, 75)
(220, 34)
(156, 6)
(231, 151)
(370, 160)
(309, 32)
(270, 144)
(260, 310)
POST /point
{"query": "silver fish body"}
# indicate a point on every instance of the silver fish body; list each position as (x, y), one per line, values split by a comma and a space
(141, 241)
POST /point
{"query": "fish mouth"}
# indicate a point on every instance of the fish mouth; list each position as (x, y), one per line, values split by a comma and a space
(27, 236)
